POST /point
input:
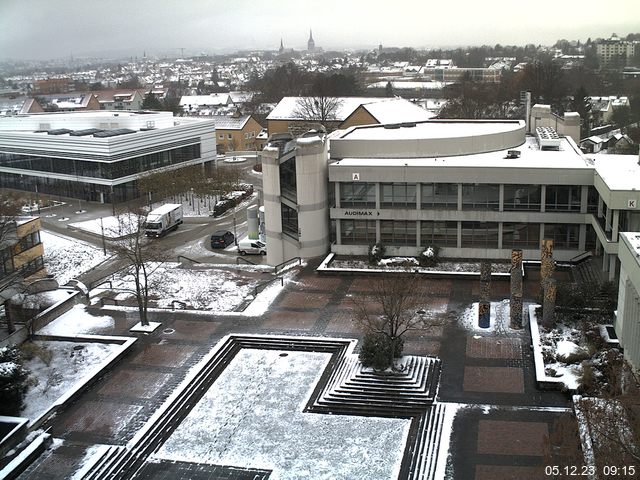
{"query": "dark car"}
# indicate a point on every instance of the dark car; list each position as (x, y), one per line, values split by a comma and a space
(222, 239)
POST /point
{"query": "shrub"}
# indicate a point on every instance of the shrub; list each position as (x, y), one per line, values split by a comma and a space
(13, 381)
(429, 257)
(588, 377)
(377, 349)
(257, 167)
(376, 253)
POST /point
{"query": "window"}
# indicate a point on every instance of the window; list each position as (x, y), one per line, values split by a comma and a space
(246, 136)
(592, 199)
(229, 136)
(564, 236)
(358, 232)
(289, 221)
(288, 183)
(439, 195)
(563, 198)
(357, 195)
(438, 234)
(522, 197)
(398, 232)
(398, 195)
(221, 136)
(480, 234)
(28, 242)
(480, 196)
(521, 235)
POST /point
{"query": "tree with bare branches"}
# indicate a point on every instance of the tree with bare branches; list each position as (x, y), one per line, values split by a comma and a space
(319, 109)
(139, 253)
(393, 307)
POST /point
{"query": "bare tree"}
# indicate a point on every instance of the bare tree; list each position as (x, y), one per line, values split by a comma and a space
(11, 280)
(320, 109)
(139, 254)
(394, 306)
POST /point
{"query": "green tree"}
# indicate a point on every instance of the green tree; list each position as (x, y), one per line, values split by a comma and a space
(582, 105)
(621, 116)
(13, 381)
(388, 90)
(151, 102)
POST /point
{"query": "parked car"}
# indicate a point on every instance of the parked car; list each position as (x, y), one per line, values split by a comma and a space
(222, 239)
(252, 247)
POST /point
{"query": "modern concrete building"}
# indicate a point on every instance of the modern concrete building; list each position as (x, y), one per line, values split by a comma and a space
(614, 50)
(98, 156)
(20, 248)
(476, 189)
(627, 324)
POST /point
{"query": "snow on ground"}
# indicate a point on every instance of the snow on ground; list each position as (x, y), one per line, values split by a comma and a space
(66, 258)
(66, 368)
(76, 321)
(210, 289)
(114, 227)
(499, 322)
(252, 417)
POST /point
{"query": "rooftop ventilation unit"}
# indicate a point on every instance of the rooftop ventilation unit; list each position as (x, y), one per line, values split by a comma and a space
(547, 138)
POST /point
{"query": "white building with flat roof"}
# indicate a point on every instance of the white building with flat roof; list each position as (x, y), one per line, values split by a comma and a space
(476, 189)
(98, 155)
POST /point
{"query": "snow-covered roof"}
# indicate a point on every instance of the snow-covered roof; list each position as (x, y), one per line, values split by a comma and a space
(227, 122)
(397, 110)
(619, 172)
(214, 99)
(530, 157)
(286, 108)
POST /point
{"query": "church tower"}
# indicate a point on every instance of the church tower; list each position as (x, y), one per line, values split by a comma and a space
(311, 45)
(281, 50)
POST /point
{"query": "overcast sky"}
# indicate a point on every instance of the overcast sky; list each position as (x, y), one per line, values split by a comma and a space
(42, 29)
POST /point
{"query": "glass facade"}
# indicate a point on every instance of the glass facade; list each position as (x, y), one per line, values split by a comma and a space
(398, 232)
(480, 234)
(521, 235)
(522, 197)
(441, 234)
(439, 195)
(358, 232)
(288, 184)
(358, 195)
(480, 196)
(289, 221)
(106, 170)
(563, 198)
(398, 195)
(564, 236)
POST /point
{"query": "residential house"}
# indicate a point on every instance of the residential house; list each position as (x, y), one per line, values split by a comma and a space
(120, 99)
(236, 132)
(288, 115)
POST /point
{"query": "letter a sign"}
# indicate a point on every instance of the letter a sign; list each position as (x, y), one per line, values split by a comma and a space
(356, 177)
(630, 203)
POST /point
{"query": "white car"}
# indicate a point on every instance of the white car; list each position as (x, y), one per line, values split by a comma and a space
(252, 247)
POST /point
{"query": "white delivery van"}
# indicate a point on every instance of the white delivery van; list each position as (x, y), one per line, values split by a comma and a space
(252, 247)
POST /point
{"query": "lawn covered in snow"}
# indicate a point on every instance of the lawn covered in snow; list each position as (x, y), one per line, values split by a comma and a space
(77, 321)
(56, 367)
(66, 258)
(252, 417)
(203, 289)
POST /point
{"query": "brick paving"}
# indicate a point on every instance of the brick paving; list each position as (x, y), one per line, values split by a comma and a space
(494, 369)
(498, 437)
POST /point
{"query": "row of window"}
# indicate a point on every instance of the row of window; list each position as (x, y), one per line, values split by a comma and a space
(566, 198)
(247, 136)
(26, 242)
(111, 170)
(445, 234)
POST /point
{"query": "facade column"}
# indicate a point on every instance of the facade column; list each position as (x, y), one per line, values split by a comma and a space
(501, 198)
(459, 197)
(582, 237)
(613, 259)
(584, 199)
(543, 199)
(336, 193)
(338, 231)
(615, 220)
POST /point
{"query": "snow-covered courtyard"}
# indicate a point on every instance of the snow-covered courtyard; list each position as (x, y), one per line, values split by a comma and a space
(56, 367)
(67, 258)
(252, 417)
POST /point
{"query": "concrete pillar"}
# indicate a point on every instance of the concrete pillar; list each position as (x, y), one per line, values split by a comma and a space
(516, 289)
(612, 267)
(615, 220)
(549, 304)
(543, 198)
(484, 307)
(252, 222)
(582, 237)
(584, 199)
(501, 198)
(605, 262)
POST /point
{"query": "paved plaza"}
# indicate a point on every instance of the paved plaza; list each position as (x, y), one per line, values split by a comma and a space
(497, 434)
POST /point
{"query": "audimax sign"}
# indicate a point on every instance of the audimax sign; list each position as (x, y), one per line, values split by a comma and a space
(360, 213)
